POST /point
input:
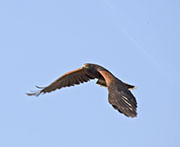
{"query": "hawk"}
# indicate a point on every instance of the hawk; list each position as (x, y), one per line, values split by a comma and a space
(119, 94)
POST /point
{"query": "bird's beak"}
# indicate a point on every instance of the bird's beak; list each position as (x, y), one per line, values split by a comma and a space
(85, 66)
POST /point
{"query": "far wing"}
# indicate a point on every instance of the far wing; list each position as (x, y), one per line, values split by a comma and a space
(119, 95)
(69, 79)
(122, 99)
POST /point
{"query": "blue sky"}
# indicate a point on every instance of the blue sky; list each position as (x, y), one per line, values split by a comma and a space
(138, 41)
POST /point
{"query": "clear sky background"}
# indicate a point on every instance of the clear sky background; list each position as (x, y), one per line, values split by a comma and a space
(138, 41)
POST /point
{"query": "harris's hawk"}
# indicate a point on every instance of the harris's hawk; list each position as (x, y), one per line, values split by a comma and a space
(119, 96)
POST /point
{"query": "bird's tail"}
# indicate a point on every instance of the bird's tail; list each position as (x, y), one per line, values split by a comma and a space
(130, 87)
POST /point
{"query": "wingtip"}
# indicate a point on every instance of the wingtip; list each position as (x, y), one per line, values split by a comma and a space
(133, 115)
(39, 87)
(33, 94)
(37, 93)
(130, 115)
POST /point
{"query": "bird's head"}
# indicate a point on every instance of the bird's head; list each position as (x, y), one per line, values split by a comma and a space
(91, 69)
(88, 66)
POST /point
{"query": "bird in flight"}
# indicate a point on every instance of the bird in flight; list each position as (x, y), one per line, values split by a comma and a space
(119, 94)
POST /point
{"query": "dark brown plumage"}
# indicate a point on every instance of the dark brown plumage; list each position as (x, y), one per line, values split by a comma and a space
(119, 97)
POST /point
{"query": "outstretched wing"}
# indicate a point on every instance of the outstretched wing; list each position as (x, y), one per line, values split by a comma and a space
(122, 99)
(119, 95)
(69, 79)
